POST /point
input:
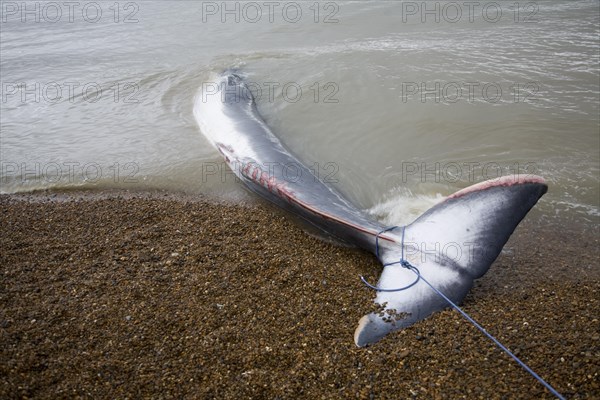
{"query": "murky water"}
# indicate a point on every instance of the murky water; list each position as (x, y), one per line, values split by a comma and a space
(397, 104)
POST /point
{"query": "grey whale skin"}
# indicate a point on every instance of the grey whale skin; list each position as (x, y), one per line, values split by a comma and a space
(451, 244)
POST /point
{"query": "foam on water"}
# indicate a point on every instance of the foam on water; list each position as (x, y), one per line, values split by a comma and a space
(401, 207)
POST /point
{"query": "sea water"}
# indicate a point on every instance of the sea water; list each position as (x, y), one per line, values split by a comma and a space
(396, 104)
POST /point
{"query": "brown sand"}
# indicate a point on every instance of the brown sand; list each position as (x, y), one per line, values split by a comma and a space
(111, 296)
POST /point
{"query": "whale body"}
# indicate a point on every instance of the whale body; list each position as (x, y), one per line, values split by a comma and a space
(451, 244)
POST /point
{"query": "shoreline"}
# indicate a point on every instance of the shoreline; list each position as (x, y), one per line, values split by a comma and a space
(116, 293)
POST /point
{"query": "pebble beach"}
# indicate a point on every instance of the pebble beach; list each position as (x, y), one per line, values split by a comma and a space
(158, 295)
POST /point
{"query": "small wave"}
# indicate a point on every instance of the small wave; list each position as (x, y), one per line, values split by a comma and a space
(570, 206)
(401, 207)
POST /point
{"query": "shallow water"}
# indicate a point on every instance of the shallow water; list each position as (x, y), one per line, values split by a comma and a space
(395, 105)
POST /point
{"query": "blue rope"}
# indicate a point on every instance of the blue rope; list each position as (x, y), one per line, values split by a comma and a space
(404, 263)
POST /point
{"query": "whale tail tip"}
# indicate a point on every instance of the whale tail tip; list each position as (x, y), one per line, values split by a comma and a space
(451, 244)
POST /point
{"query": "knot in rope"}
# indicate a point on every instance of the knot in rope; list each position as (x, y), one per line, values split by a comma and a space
(403, 262)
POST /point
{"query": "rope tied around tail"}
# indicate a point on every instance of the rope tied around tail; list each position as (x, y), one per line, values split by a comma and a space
(406, 264)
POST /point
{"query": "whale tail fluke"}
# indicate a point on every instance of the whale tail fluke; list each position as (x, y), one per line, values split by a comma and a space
(451, 244)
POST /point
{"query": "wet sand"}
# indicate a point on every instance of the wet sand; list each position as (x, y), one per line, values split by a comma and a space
(131, 295)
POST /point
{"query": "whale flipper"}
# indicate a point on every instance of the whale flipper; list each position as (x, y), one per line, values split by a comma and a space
(451, 244)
